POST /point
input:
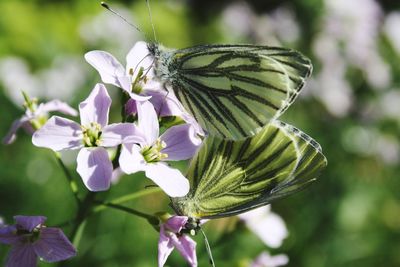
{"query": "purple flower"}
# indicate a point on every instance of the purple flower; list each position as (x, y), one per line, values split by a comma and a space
(35, 116)
(177, 143)
(92, 136)
(266, 260)
(138, 80)
(30, 238)
(171, 237)
(268, 226)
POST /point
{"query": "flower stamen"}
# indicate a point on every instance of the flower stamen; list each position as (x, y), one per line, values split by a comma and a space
(135, 86)
(91, 134)
(153, 153)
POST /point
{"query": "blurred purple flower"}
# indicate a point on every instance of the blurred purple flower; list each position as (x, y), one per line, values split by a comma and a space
(171, 237)
(268, 226)
(138, 80)
(266, 260)
(91, 137)
(35, 116)
(348, 38)
(177, 143)
(30, 238)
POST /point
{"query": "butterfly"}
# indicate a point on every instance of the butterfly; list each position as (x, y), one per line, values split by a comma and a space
(232, 90)
(231, 177)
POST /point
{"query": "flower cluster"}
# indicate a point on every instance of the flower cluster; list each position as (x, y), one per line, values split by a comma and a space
(142, 147)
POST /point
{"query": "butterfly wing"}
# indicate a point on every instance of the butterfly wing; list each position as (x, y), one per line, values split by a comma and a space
(229, 178)
(235, 90)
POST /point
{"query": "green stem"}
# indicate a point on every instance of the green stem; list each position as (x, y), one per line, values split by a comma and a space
(71, 181)
(84, 210)
(150, 218)
(135, 195)
(85, 207)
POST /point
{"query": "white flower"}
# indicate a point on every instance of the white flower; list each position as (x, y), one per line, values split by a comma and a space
(268, 226)
(266, 260)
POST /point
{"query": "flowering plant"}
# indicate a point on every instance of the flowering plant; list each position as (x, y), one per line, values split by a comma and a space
(145, 141)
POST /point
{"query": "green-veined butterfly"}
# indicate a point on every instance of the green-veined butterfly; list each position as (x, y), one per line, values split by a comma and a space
(232, 90)
(231, 177)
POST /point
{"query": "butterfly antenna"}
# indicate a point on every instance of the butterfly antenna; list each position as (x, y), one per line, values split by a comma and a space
(106, 6)
(151, 20)
(208, 248)
(140, 62)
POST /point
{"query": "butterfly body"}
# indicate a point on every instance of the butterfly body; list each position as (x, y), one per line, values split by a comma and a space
(232, 90)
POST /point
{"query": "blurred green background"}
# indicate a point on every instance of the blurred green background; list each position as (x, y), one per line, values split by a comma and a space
(350, 105)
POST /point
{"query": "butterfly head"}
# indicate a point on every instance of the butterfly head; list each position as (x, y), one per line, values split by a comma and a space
(163, 61)
(153, 49)
(191, 227)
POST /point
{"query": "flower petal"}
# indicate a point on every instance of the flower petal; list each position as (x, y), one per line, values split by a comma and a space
(187, 248)
(53, 245)
(272, 230)
(268, 226)
(182, 142)
(130, 107)
(11, 135)
(148, 121)
(190, 120)
(8, 234)
(29, 222)
(107, 65)
(22, 255)
(96, 107)
(57, 105)
(176, 223)
(165, 103)
(265, 259)
(116, 175)
(58, 134)
(168, 179)
(165, 247)
(139, 57)
(139, 98)
(95, 168)
(131, 160)
(113, 134)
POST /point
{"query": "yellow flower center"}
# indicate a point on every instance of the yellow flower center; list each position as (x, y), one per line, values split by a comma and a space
(153, 153)
(91, 134)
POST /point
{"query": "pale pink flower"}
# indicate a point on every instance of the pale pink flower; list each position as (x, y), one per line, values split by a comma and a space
(92, 136)
(149, 155)
(171, 237)
(35, 116)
